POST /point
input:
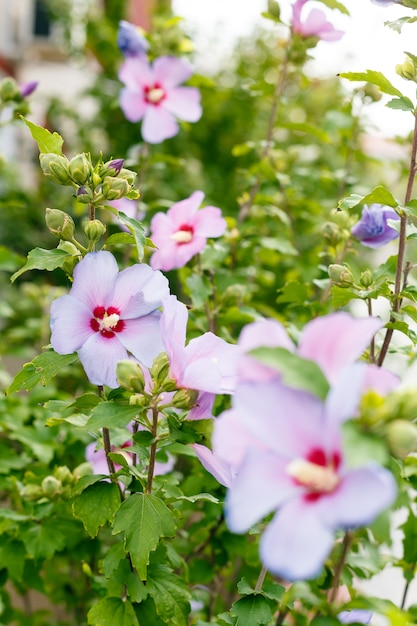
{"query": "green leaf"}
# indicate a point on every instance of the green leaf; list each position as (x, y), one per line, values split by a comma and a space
(111, 415)
(403, 104)
(335, 4)
(41, 259)
(41, 370)
(375, 78)
(398, 24)
(47, 142)
(380, 195)
(170, 594)
(279, 244)
(409, 529)
(296, 372)
(96, 505)
(252, 610)
(120, 239)
(200, 289)
(138, 231)
(143, 519)
(112, 612)
(350, 201)
(360, 447)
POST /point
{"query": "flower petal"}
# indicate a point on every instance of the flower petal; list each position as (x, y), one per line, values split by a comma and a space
(142, 337)
(184, 103)
(171, 71)
(295, 544)
(158, 124)
(211, 364)
(70, 324)
(215, 466)
(99, 357)
(139, 290)
(231, 440)
(184, 211)
(132, 104)
(136, 73)
(94, 279)
(173, 328)
(203, 408)
(336, 340)
(208, 222)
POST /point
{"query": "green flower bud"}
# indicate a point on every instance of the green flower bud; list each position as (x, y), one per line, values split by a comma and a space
(160, 372)
(55, 166)
(111, 168)
(138, 399)
(9, 89)
(73, 254)
(115, 188)
(60, 224)
(366, 278)
(80, 169)
(127, 175)
(63, 474)
(84, 195)
(51, 487)
(341, 275)
(185, 399)
(94, 229)
(96, 179)
(84, 469)
(406, 70)
(402, 437)
(331, 232)
(130, 376)
(31, 492)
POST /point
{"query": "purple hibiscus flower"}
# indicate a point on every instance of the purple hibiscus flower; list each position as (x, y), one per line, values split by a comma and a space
(373, 229)
(286, 447)
(109, 314)
(152, 94)
(360, 616)
(182, 231)
(314, 25)
(206, 364)
(130, 40)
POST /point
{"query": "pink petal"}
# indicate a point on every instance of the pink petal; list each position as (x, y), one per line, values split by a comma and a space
(361, 496)
(203, 408)
(343, 399)
(288, 421)
(99, 357)
(296, 543)
(380, 380)
(158, 124)
(215, 466)
(139, 290)
(133, 105)
(336, 340)
(162, 228)
(136, 73)
(184, 103)
(171, 71)
(142, 337)
(260, 486)
(97, 458)
(209, 222)
(165, 257)
(70, 324)
(216, 356)
(173, 328)
(184, 211)
(94, 279)
(231, 440)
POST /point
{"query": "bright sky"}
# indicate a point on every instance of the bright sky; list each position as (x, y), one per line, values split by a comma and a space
(367, 43)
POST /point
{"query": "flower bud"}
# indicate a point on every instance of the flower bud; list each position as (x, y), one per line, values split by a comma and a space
(80, 169)
(60, 224)
(160, 368)
(84, 195)
(341, 275)
(94, 229)
(82, 470)
(51, 487)
(63, 474)
(111, 168)
(406, 70)
(9, 89)
(71, 260)
(115, 188)
(127, 175)
(55, 166)
(138, 399)
(130, 375)
(331, 232)
(185, 399)
(31, 492)
(25, 89)
(366, 278)
(402, 437)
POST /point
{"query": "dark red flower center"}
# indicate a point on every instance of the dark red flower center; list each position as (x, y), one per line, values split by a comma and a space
(317, 472)
(107, 322)
(184, 234)
(155, 94)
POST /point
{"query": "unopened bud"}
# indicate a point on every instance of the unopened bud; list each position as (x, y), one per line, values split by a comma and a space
(138, 399)
(8, 89)
(406, 70)
(185, 399)
(94, 229)
(60, 224)
(111, 168)
(31, 492)
(127, 175)
(55, 166)
(130, 376)
(366, 278)
(331, 232)
(341, 275)
(63, 474)
(82, 470)
(25, 89)
(160, 369)
(84, 195)
(51, 487)
(115, 188)
(402, 437)
(80, 169)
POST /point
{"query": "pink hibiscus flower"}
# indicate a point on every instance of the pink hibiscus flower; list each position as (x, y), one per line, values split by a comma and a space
(314, 25)
(108, 315)
(182, 231)
(152, 94)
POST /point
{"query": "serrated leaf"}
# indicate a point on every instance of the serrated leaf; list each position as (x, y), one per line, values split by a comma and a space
(47, 142)
(41, 370)
(170, 594)
(120, 239)
(41, 259)
(335, 4)
(143, 519)
(402, 104)
(398, 24)
(138, 231)
(350, 201)
(111, 415)
(86, 481)
(296, 372)
(375, 78)
(252, 610)
(112, 612)
(96, 506)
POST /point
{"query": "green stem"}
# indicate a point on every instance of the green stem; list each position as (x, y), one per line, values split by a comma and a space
(261, 579)
(339, 567)
(152, 456)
